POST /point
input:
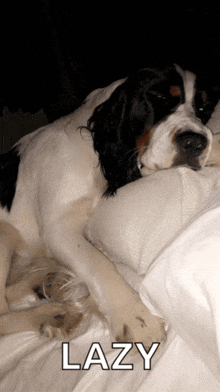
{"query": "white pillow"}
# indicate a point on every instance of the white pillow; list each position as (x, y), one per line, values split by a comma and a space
(183, 285)
(214, 121)
(132, 227)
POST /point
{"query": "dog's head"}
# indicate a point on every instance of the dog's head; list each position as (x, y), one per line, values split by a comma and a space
(154, 120)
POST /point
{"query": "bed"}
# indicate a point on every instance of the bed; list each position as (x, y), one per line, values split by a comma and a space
(163, 234)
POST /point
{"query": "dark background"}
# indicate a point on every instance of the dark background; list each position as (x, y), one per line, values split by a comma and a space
(54, 52)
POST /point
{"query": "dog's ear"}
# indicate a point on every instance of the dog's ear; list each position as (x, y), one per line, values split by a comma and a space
(9, 163)
(116, 124)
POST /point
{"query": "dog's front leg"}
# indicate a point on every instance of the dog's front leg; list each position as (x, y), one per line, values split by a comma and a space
(128, 318)
(24, 292)
(9, 239)
(31, 319)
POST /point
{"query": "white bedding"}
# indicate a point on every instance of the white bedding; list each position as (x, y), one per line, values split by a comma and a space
(181, 284)
(175, 265)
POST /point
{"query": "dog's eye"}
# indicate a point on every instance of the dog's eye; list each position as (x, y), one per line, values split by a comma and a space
(204, 96)
(158, 95)
(170, 93)
(203, 105)
(203, 101)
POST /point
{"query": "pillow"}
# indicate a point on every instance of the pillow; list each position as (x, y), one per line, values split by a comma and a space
(132, 227)
(214, 121)
(183, 284)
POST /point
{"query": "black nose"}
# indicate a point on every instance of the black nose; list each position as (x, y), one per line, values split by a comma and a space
(191, 142)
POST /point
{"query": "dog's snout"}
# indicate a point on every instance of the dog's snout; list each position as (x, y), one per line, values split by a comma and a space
(191, 142)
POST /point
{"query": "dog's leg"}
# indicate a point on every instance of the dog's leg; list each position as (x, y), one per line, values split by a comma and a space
(129, 319)
(9, 238)
(32, 319)
(48, 279)
(24, 293)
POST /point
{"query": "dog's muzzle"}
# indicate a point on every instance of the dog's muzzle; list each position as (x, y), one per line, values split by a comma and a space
(190, 142)
(190, 147)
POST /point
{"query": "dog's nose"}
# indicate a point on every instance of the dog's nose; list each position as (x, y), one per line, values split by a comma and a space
(191, 142)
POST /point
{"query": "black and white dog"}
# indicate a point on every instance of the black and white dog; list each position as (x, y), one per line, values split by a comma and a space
(53, 178)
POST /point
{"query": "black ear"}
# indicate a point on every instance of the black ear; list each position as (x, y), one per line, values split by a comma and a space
(116, 124)
(9, 164)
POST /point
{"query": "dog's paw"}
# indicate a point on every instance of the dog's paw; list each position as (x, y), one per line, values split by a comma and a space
(62, 326)
(41, 314)
(134, 323)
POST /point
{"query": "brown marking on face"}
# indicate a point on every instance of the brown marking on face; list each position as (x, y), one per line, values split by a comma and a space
(143, 141)
(175, 91)
(172, 136)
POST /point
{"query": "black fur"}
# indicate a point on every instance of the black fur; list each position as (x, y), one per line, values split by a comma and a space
(9, 164)
(141, 101)
(205, 105)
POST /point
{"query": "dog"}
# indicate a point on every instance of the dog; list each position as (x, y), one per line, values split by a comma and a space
(53, 179)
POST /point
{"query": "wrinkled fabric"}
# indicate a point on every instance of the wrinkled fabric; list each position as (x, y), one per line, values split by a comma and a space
(133, 227)
(183, 285)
